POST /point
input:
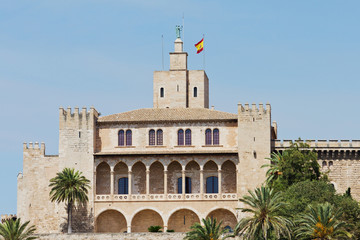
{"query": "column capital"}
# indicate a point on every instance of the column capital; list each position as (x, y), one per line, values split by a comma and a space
(129, 171)
(147, 170)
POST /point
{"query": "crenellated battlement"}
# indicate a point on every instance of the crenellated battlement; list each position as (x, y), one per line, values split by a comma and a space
(254, 109)
(319, 143)
(34, 147)
(76, 118)
(6, 217)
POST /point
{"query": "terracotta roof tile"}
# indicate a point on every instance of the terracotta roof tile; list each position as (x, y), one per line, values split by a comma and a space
(168, 114)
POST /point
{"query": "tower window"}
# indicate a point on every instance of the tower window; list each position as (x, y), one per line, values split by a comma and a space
(121, 139)
(128, 138)
(188, 137)
(159, 137)
(181, 137)
(195, 91)
(216, 137)
(161, 92)
(177, 88)
(152, 137)
(208, 137)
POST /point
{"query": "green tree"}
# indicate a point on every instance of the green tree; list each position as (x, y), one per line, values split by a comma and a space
(70, 187)
(14, 230)
(322, 223)
(267, 219)
(302, 194)
(210, 231)
(296, 164)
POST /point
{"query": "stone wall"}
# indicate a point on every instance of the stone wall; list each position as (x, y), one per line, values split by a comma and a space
(114, 236)
(117, 236)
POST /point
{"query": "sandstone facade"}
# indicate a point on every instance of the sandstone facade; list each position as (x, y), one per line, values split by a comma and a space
(170, 165)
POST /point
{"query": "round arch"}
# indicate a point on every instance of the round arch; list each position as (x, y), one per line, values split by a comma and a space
(227, 217)
(192, 171)
(110, 221)
(139, 178)
(174, 172)
(182, 219)
(228, 177)
(156, 178)
(145, 218)
(103, 178)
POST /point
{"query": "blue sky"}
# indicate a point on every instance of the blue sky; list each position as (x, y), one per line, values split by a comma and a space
(301, 56)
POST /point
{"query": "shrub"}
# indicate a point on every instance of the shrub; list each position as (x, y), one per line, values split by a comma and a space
(170, 230)
(154, 228)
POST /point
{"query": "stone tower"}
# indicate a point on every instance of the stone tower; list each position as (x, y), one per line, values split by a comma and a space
(180, 87)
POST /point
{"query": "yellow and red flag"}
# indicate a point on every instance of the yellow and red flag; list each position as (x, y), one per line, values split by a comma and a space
(200, 46)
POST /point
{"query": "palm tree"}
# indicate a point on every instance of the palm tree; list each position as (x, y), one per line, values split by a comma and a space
(267, 218)
(273, 167)
(69, 187)
(14, 230)
(322, 223)
(210, 231)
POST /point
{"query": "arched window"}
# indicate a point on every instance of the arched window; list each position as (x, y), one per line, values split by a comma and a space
(324, 164)
(123, 186)
(181, 137)
(187, 185)
(128, 138)
(161, 92)
(195, 91)
(216, 136)
(331, 163)
(159, 137)
(121, 140)
(212, 185)
(188, 137)
(208, 137)
(152, 137)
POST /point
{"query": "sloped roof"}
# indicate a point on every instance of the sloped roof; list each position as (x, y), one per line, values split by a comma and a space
(169, 114)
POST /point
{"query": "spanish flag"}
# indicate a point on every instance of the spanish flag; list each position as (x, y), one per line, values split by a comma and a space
(200, 46)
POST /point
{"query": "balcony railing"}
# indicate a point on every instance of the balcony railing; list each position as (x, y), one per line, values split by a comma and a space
(166, 197)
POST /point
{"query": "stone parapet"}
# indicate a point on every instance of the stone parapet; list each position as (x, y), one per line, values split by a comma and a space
(318, 144)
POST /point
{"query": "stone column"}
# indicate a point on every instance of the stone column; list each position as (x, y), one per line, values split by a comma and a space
(219, 180)
(165, 228)
(112, 182)
(201, 181)
(147, 181)
(129, 182)
(129, 229)
(183, 182)
(94, 184)
(165, 182)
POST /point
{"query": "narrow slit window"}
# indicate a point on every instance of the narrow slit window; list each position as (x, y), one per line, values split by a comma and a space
(195, 91)
(161, 92)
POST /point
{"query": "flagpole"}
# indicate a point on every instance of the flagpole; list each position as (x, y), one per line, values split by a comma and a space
(204, 52)
(183, 24)
(162, 51)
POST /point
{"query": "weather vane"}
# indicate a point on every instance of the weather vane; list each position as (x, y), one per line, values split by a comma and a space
(178, 29)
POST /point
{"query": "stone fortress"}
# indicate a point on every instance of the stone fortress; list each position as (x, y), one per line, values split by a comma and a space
(170, 165)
